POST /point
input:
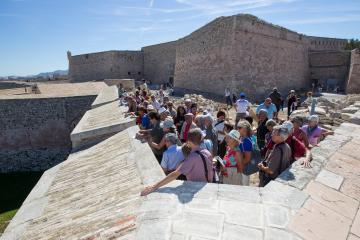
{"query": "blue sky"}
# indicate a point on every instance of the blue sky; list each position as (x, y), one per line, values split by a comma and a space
(35, 34)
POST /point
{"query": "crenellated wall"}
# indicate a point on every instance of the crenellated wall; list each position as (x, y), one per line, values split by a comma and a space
(321, 43)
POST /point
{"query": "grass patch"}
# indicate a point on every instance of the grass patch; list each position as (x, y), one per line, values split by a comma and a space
(14, 188)
(5, 219)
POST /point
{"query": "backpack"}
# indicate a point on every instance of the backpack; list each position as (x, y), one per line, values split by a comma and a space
(252, 166)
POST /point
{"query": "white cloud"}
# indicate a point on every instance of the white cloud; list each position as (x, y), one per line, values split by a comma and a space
(213, 7)
(326, 20)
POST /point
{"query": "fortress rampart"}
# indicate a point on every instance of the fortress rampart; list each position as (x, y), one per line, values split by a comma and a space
(240, 51)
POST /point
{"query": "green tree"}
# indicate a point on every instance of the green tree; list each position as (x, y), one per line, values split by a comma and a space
(352, 44)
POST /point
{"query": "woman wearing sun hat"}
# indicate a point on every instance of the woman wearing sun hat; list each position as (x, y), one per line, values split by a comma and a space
(229, 172)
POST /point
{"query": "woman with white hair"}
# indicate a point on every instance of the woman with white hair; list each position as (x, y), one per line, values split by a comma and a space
(314, 132)
(279, 158)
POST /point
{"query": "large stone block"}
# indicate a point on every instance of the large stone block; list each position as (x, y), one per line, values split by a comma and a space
(314, 221)
(284, 195)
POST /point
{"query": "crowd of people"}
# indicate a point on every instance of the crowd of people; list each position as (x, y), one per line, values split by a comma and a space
(196, 145)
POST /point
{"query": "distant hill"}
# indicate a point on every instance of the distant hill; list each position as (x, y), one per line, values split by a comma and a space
(49, 74)
(40, 75)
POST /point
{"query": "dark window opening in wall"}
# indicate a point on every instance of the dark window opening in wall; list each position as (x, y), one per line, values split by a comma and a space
(129, 73)
(87, 56)
(139, 73)
(111, 69)
(171, 81)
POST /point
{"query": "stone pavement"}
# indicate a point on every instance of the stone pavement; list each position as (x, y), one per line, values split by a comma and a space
(95, 194)
(54, 89)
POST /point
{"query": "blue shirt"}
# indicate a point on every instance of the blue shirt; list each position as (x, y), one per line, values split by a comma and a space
(145, 122)
(172, 157)
(246, 145)
(270, 110)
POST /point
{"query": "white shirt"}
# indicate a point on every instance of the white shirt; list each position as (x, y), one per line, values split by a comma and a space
(227, 92)
(156, 105)
(220, 127)
(242, 105)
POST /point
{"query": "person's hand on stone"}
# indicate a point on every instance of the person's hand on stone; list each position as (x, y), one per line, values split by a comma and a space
(306, 163)
(147, 190)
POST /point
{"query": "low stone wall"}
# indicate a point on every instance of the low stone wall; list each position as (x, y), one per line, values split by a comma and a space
(35, 132)
(128, 84)
(107, 95)
(100, 123)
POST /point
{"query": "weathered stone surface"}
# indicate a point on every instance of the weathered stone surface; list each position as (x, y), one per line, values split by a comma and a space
(318, 110)
(346, 116)
(353, 237)
(245, 214)
(332, 199)
(236, 232)
(244, 194)
(196, 223)
(314, 221)
(280, 194)
(355, 228)
(127, 83)
(330, 179)
(350, 109)
(278, 234)
(100, 123)
(297, 175)
(107, 95)
(96, 189)
(154, 230)
(276, 216)
(35, 132)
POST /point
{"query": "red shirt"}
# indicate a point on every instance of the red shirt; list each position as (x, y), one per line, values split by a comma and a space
(186, 131)
(298, 148)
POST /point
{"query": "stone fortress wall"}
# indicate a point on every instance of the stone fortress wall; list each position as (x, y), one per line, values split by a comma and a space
(353, 85)
(321, 43)
(240, 51)
(159, 62)
(35, 132)
(102, 65)
(330, 67)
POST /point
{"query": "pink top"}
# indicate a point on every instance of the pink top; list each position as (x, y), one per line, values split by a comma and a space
(312, 134)
(193, 166)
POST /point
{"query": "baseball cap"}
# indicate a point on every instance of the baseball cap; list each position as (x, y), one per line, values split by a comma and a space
(189, 114)
(242, 94)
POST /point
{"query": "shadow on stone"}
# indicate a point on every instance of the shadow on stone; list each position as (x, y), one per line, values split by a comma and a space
(185, 192)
